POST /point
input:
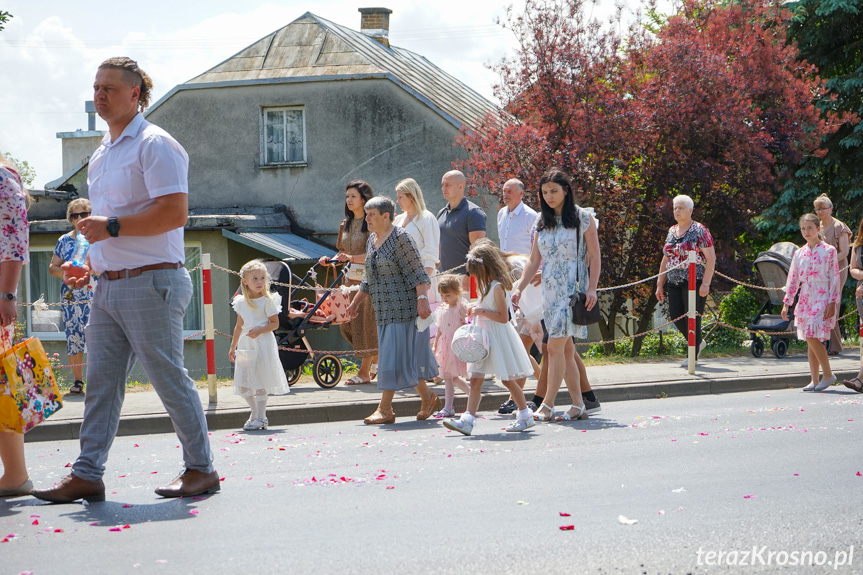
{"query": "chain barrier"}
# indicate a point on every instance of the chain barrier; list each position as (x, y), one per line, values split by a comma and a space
(452, 270)
(753, 286)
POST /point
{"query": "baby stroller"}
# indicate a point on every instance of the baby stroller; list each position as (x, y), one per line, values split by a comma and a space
(774, 265)
(297, 318)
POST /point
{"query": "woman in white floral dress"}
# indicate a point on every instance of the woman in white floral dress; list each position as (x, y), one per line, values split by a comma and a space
(565, 234)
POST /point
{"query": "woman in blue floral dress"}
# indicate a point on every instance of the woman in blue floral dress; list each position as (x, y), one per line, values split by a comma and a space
(565, 236)
(77, 311)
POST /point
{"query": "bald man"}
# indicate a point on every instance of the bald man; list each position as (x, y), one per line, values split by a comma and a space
(461, 223)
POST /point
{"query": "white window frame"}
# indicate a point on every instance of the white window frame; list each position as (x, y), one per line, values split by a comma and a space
(200, 294)
(61, 335)
(30, 298)
(265, 161)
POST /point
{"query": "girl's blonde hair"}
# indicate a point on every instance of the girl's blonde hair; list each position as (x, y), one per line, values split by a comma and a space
(411, 189)
(822, 199)
(813, 219)
(449, 283)
(486, 263)
(254, 265)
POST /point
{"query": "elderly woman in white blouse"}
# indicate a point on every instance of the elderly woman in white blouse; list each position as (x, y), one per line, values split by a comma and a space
(421, 224)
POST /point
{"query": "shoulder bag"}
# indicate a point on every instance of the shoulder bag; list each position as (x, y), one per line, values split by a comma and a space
(580, 314)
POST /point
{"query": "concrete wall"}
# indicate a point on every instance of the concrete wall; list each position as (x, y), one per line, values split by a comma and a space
(367, 129)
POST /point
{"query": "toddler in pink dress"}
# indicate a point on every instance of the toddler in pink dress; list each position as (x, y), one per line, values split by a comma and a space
(451, 315)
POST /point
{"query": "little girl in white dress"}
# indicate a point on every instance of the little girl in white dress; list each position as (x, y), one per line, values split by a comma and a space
(258, 371)
(506, 357)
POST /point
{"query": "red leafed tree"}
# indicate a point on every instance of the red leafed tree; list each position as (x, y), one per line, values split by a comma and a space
(710, 102)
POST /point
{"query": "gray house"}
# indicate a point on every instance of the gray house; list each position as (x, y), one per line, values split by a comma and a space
(273, 135)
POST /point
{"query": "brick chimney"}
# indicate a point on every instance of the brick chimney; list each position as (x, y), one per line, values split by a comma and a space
(375, 22)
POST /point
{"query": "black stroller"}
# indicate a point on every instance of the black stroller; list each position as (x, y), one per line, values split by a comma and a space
(774, 265)
(294, 348)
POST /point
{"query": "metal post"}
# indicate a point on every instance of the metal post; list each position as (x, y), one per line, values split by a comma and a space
(209, 328)
(692, 312)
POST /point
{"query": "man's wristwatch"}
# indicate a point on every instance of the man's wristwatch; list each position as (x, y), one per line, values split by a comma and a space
(113, 227)
(10, 295)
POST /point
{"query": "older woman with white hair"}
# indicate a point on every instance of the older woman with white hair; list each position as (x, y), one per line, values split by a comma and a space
(76, 313)
(397, 285)
(685, 236)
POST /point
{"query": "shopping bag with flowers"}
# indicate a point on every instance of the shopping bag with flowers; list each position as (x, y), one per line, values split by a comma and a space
(28, 390)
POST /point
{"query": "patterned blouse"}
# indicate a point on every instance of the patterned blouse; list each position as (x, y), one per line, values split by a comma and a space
(13, 218)
(393, 271)
(695, 238)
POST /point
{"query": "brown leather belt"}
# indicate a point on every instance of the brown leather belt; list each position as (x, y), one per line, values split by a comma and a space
(123, 274)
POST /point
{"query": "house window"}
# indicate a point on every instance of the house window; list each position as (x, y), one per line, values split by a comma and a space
(284, 138)
(45, 323)
(48, 324)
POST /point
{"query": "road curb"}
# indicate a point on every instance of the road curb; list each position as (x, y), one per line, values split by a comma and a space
(406, 408)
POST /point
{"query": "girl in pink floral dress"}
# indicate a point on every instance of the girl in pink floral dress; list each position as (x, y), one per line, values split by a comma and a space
(815, 272)
(451, 315)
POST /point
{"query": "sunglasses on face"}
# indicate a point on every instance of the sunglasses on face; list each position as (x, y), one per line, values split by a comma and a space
(77, 215)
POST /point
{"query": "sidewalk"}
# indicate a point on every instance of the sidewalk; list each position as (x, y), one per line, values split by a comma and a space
(307, 403)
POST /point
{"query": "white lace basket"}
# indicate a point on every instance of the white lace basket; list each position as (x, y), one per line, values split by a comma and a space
(246, 358)
(470, 343)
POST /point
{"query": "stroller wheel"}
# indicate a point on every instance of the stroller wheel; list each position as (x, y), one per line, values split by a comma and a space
(328, 371)
(293, 375)
(756, 347)
(780, 348)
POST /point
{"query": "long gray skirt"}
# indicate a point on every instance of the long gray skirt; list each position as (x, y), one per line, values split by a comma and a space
(404, 356)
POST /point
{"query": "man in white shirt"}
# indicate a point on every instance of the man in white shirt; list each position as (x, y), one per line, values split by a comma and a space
(515, 220)
(138, 180)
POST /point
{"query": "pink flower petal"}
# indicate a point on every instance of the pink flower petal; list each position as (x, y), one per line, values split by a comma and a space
(562, 514)
(193, 512)
(126, 506)
(749, 496)
(567, 527)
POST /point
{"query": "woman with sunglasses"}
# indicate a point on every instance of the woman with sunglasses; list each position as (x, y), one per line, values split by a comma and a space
(76, 312)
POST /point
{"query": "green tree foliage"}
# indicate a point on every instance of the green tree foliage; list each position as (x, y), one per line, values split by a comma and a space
(828, 34)
(24, 169)
(4, 17)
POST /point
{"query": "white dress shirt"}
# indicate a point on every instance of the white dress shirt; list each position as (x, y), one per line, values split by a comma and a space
(514, 228)
(125, 177)
(425, 231)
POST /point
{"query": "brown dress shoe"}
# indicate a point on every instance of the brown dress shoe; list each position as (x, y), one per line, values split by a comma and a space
(190, 483)
(380, 417)
(72, 488)
(428, 408)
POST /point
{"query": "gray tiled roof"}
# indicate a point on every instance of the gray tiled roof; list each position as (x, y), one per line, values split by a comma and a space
(312, 47)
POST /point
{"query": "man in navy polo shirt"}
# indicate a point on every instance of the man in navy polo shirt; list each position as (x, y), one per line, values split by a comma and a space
(461, 223)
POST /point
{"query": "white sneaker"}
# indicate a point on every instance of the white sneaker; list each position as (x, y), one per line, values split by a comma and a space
(256, 424)
(825, 383)
(521, 424)
(459, 425)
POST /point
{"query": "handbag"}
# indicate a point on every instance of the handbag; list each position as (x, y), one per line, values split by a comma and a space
(246, 358)
(28, 391)
(470, 343)
(578, 301)
(356, 272)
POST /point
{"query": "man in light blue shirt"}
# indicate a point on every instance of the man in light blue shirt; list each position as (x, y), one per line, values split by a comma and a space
(515, 220)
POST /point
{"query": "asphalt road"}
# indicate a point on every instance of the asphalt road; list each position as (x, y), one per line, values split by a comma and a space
(778, 472)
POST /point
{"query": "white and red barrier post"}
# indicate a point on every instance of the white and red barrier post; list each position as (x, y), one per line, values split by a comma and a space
(692, 312)
(209, 327)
